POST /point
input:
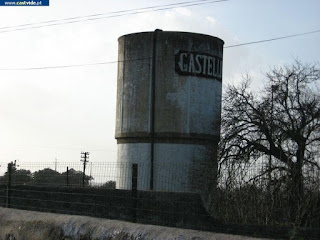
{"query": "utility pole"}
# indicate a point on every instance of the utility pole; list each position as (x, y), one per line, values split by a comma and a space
(84, 159)
(11, 167)
(90, 173)
(55, 164)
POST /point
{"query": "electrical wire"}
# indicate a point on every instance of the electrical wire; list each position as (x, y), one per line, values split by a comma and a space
(272, 39)
(98, 16)
(71, 66)
(140, 59)
(54, 67)
(107, 13)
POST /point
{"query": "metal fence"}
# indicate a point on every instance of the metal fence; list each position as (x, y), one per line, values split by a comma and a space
(244, 194)
(65, 188)
(258, 193)
(169, 177)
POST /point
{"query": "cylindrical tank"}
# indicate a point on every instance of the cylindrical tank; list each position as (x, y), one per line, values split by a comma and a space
(168, 107)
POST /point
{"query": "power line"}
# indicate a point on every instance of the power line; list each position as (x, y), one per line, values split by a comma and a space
(272, 39)
(53, 67)
(140, 59)
(107, 13)
(98, 16)
(71, 66)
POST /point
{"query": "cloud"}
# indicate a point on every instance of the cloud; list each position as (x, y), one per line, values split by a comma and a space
(184, 11)
(211, 20)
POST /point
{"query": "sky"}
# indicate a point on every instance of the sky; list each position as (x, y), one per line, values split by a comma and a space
(55, 113)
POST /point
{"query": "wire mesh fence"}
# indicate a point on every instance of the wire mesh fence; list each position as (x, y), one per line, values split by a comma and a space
(241, 194)
(62, 174)
(269, 195)
(168, 177)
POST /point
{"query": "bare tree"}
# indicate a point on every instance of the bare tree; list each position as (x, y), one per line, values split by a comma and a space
(281, 122)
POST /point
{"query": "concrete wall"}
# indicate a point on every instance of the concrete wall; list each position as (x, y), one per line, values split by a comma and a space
(187, 104)
(27, 225)
(152, 207)
(171, 171)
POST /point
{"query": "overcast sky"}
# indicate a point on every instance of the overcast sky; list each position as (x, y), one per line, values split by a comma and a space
(57, 113)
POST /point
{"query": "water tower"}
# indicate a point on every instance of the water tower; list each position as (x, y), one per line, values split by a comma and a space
(168, 107)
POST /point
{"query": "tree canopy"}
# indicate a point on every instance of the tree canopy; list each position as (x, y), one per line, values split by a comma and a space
(281, 121)
(47, 176)
(18, 176)
(270, 141)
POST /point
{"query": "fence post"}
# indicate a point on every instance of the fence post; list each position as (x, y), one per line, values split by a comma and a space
(67, 176)
(10, 165)
(134, 191)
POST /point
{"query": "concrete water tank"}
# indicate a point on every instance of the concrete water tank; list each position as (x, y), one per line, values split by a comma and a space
(168, 107)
